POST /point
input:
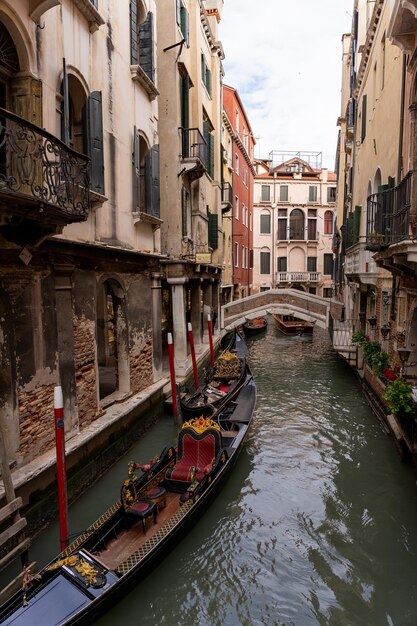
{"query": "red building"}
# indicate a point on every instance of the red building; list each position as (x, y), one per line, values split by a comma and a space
(241, 161)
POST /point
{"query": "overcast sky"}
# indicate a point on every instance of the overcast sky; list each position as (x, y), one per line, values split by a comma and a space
(285, 60)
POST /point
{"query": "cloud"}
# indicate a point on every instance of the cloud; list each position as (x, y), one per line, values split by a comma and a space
(285, 60)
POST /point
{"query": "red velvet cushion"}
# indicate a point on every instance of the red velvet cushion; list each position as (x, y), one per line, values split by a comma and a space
(156, 492)
(140, 507)
(195, 452)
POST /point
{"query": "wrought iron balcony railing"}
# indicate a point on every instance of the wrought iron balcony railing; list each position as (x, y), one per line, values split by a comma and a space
(388, 215)
(298, 277)
(37, 169)
(193, 144)
(227, 196)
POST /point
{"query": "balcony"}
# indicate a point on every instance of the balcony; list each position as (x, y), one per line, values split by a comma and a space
(193, 152)
(388, 216)
(402, 24)
(227, 197)
(297, 277)
(44, 184)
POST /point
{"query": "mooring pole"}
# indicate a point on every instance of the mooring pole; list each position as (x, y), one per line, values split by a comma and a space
(60, 466)
(172, 376)
(210, 334)
(191, 340)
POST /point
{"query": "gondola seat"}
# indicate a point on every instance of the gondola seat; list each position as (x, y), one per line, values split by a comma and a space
(157, 495)
(136, 510)
(196, 453)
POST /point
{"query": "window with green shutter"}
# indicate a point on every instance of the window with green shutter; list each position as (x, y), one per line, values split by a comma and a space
(213, 230)
(265, 263)
(136, 170)
(185, 25)
(311, 264)
(265, 224)
(312, 193)
(152, 188)
(265, 193)
(146, 47)
(95, 142)
(283, 193)
(356, 228)
(281, 264)
(363, 120)
(328, 264)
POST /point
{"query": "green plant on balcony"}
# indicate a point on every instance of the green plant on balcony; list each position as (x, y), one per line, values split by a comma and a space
(379, 361)
(399, 397)
(359, 338)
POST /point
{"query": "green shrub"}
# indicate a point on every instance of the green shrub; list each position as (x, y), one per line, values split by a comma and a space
(399, 397)
(359, 338)
(379, 360)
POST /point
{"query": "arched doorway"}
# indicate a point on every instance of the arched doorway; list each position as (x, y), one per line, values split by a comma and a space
(112, 339)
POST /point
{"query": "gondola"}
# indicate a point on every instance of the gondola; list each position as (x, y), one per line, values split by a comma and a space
(291, 325)
(131, 537)
(221, 381)
(255, 326)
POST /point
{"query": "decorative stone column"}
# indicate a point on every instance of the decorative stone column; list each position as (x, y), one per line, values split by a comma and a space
(196, 310)
(65, 333)
(179, 325)
(156, 291)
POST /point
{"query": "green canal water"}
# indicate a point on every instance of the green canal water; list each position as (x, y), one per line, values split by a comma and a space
(317, 525)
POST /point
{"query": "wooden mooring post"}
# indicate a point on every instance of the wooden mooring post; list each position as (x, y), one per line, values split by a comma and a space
(15, 528)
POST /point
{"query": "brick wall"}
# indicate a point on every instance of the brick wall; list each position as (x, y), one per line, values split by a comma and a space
(37, 425)
(141, 366)
(86, 381)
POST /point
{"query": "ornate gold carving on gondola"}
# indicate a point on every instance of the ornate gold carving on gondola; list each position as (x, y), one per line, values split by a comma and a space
(201, 424)
(228, 365)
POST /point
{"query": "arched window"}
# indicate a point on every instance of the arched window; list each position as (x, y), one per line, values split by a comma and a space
(297, 224)
(328, 223)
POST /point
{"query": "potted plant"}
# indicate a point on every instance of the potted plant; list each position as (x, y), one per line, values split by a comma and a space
(399, 397)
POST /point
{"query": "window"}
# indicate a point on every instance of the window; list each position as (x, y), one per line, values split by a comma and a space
(328, 264)
(327, 292)
(331, 194)
(237, 121)
(265, 263)
(312, 229)
(297, 224)
(236, 207)
(265, 225)
(243, 258)
(213, 230)
(283, 193)
(251, 259)
(282, 264)
(205, 74)
(237, 164)
(312, 193)
(236, 254)
(282, 228)
(328, 223)
(265, 193)
(311, 264)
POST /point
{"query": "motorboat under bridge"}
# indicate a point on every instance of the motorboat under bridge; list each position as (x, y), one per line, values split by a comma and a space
(324, 312)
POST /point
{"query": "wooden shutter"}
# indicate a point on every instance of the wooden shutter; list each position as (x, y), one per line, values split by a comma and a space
(363, 127)
(251, 259)
(134, 51)
(95, 142)
(208, 80)
(136, 171)
(65, 134)
(184, 211)
(185, 25)
(152, 181)
(178, 10)
(146, 58)
(213, 230)
(211, 155)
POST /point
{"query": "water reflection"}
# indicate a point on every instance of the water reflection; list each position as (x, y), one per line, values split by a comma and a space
(315, 527)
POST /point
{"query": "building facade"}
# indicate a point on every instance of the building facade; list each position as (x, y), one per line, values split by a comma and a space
(294, 207)
(241, 214)
(377, 163)
(190, 72)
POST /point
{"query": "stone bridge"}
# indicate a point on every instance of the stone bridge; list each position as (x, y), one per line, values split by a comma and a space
(306, 306)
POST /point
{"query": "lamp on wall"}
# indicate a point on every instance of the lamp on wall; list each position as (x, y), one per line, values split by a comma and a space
(404, 354)
(385, 330)
(372, 321)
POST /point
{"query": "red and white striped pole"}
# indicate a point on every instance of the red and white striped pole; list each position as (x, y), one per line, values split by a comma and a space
(191, 340)
(172, 376)
(210, 334)
(60, 466)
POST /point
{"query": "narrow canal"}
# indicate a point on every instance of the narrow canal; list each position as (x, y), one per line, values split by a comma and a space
(317, 525)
